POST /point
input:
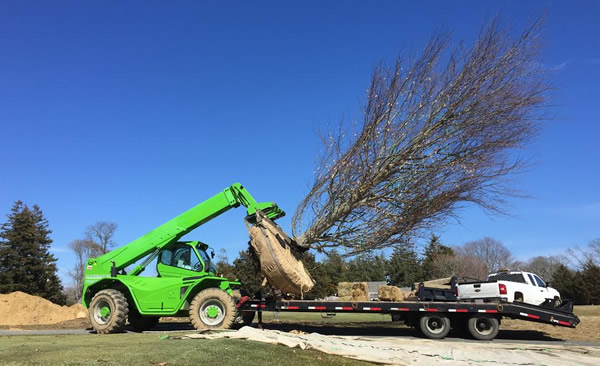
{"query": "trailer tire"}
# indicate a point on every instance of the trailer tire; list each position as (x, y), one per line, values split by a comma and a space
(483, 328)
(142, 323)
(108, 311)
(434, 326)
(212, 308)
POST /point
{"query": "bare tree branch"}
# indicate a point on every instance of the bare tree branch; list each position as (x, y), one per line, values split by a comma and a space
(438, 132)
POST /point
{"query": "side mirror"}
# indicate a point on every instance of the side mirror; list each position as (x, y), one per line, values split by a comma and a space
(548, 284)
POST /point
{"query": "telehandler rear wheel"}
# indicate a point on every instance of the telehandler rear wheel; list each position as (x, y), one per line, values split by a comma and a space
(108, 311)
(212, 308)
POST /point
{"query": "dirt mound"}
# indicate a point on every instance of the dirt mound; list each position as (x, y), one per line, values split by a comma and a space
(19, 308)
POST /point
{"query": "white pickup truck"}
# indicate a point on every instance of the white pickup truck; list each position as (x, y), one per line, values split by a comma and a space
(513, 286)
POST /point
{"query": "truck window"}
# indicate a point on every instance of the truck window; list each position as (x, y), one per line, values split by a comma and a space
(539, 281)
(531, 279)
(512, 277)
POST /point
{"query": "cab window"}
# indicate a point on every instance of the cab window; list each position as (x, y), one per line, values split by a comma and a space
(181, 256)
(532, 280)
(539, 281)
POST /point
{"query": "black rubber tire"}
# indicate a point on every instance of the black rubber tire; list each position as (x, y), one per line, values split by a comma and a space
(557, 301)
(119, 309)
(216, 299)
(483, 328)
(434, 326)
(243, 319)
(142, 323)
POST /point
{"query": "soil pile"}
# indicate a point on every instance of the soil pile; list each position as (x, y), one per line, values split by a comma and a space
(19, 308)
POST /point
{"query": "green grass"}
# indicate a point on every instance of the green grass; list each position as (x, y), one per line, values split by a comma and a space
(150, 349)
(587, 310)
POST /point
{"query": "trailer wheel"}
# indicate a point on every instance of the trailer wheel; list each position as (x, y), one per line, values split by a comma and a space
(483, 328)
(142, 323)
(212, 309)
(434, 326)
(108, 311)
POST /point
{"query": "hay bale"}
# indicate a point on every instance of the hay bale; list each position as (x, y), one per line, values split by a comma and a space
(390, 293)
(278, 264)
(353, 291)
(344, 289)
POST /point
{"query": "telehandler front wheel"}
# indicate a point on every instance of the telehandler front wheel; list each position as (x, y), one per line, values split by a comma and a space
(212, 308)
(108, 311)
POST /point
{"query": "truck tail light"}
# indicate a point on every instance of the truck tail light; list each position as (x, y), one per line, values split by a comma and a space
(502, 289)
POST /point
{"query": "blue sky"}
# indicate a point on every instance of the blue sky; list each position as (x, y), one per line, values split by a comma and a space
(136, 111)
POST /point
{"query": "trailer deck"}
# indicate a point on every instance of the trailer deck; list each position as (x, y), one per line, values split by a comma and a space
(433, 318)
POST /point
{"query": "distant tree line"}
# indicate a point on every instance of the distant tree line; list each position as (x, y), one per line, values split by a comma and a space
(407, 265)
(26, 263)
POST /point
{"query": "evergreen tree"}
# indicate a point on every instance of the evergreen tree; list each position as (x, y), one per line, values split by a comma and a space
(26, 263)
(590, 280)
(247, 269)
(570, 284)
(433, 250)
(366, 267)
(404, 267)
(323, 285)
(335, 268)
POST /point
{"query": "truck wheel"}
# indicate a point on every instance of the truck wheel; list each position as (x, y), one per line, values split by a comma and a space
(557, 301)
(212, 309)
(434, 326)
(108, 311)
(483, 328)
(142, 323)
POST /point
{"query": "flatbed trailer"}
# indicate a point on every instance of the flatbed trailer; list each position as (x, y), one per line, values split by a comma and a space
(433, 318)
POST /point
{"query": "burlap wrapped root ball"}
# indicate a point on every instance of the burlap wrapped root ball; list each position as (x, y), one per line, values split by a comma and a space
(390, 293)
(278, 264)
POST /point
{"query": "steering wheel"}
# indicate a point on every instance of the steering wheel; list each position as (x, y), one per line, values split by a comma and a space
(198, 266)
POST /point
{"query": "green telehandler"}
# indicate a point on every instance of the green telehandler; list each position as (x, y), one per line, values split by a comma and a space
(186, 284)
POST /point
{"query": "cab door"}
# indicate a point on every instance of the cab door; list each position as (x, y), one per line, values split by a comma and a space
(537, 296)
(544, 293)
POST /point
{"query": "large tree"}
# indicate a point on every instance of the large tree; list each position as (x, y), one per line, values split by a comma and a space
(102, 233)
(83, 249)
(438, 131)
(404, 266)
(434, 250)
(490, 251)
(26, 263)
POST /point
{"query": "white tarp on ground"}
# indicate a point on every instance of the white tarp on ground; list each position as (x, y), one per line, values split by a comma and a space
(403, 351)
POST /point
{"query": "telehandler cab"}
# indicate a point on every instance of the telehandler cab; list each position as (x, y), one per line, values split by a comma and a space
(186, 283)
